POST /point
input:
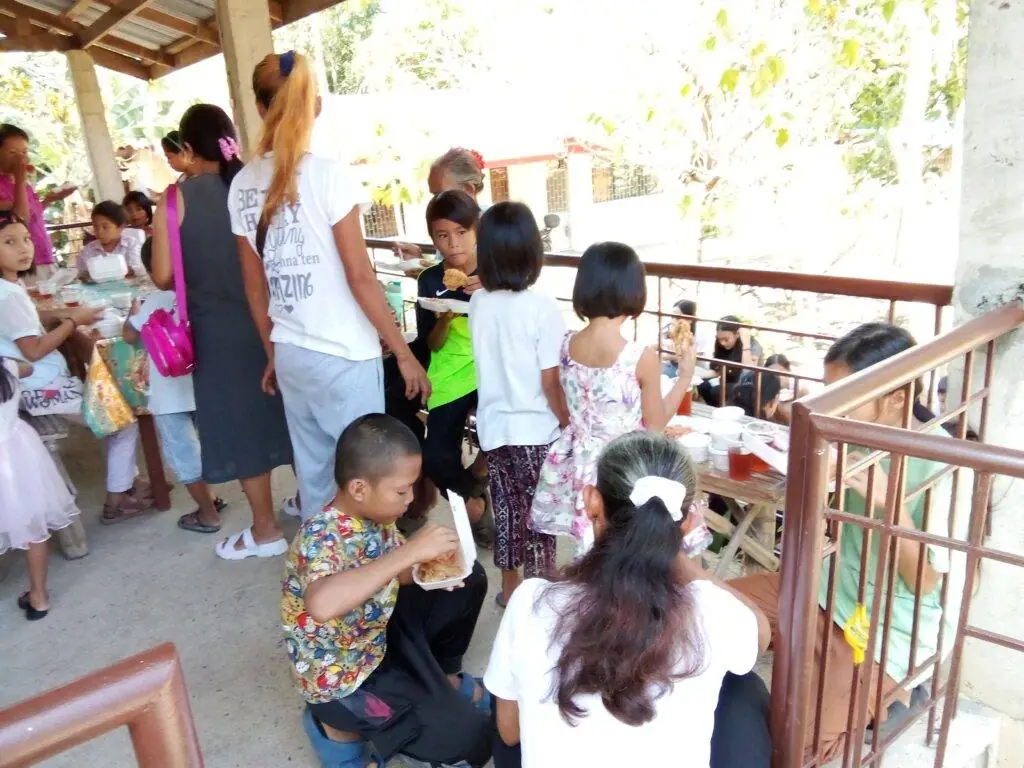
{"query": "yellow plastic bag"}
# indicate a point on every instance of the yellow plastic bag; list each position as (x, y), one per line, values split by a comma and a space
(104, 408)
(856, 632)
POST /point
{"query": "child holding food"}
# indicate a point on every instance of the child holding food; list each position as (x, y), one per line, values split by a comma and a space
(375, 656)
(517, 336)
(452, 219)
(612, 386)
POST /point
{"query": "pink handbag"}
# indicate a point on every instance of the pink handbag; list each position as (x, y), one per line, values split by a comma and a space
(168, 339)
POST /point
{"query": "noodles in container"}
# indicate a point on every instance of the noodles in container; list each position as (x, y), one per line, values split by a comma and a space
(451, 570)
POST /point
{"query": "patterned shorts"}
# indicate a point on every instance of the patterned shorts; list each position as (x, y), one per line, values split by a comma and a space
(180, 442)
(513, 471)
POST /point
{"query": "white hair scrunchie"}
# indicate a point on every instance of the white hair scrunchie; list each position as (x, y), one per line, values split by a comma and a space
(671, 492)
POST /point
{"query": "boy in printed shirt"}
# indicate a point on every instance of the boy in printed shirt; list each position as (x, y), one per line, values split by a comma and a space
(378, 659)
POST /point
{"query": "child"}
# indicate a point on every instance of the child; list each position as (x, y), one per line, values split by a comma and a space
(452, 218)
(377, 658)
(915, 617)
(517, 335)
(51, 389)
(140, 212)
(612, 386)
(108, 223)
(33, 497)
(623, 661)
(745, 395)
(172, 402)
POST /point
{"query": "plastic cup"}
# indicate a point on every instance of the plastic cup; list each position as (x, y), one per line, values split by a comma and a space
(686, 407)
(741, 463)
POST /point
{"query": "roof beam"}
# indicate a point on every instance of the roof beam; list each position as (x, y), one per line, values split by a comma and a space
(119, 63)
(115, 15)
(33, 40)
(79, 7)
(300, 9)
(42, 18)
(204, 32)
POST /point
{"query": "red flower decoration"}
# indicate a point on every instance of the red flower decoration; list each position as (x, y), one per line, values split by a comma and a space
(478, 158)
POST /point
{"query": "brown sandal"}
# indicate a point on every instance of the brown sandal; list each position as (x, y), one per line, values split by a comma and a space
(126, 509)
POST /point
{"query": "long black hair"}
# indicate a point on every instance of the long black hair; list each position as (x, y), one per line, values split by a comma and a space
(205, 128)
(872, 343)
(630, 630)
(8, 382)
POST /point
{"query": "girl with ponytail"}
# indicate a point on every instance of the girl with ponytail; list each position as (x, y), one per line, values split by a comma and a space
(622, 660)
(241, 429)
(309, 281)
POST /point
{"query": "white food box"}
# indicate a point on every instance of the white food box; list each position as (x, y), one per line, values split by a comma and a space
(467, 547)
(104, 269)
(444, 305)
(771, 456)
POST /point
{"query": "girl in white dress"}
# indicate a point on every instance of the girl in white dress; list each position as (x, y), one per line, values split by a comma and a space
(33, 498)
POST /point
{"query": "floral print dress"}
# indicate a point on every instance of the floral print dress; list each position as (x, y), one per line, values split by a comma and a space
(604, 403)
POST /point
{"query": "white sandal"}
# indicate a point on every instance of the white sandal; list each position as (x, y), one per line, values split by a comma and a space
(227, 548)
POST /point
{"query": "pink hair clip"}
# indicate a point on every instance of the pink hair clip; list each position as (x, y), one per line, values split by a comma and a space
(228, 148)
(478, 158)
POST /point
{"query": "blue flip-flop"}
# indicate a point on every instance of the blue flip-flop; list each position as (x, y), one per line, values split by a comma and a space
(337, 754)
(467, 688)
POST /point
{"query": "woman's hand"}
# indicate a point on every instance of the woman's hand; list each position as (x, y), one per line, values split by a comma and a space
(417, 385)
(269, 381)
(407, 251)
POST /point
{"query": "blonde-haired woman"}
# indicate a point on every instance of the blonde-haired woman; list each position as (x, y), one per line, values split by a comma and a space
(311, 287)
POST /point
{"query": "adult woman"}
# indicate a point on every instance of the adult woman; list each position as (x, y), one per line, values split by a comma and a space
(621, 662)
(917, 567)
(242, 429)
(17, 195)
(311, 288)
(733, 343)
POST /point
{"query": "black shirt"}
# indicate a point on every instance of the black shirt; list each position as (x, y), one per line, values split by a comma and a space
(431, 285)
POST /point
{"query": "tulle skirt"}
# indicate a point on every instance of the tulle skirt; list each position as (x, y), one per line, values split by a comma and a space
(33, 497)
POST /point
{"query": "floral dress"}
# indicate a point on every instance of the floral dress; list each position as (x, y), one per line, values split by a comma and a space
(604, 403)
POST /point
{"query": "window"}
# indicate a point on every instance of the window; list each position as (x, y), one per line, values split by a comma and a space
(499, 185)
(617, 181)
(558, 186)
(380, 221)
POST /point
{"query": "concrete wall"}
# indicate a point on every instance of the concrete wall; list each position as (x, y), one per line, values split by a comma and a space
(990, 272)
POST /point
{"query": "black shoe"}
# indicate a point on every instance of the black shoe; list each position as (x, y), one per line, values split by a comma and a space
(31, 613)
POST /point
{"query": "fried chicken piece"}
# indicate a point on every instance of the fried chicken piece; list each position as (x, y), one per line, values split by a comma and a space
(454, 279)
(442, 568)
(680, 333)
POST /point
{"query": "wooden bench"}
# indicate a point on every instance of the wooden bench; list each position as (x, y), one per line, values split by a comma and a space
(52, 430)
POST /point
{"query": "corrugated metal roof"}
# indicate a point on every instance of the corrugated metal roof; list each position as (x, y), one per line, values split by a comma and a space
(138, 31)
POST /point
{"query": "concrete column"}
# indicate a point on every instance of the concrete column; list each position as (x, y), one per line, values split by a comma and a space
(106, 175)
(990, 272)
(245, 39)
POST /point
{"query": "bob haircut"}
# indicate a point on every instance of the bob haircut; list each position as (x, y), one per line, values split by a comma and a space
(140, 199)
(611, 282)
(112, 211)
(453, 205)
(510, 252)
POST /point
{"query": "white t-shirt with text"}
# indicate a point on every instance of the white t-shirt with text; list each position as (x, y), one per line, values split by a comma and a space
(522, 667)
(311, 303)
(515, 337)
(173, 394)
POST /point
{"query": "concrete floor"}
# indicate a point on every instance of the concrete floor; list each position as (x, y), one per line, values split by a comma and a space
(146, 582)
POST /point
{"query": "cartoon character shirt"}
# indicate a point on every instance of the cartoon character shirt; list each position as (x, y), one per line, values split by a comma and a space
(331, 660)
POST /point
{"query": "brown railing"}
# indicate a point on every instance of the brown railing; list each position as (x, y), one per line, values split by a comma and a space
(146, 693)
(876, 300)
(68, 240)
(820, 421)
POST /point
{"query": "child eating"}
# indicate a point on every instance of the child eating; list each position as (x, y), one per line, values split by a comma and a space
(108, 223)
(374, 655)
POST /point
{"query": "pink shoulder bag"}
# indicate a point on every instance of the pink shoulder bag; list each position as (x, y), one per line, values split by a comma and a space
(168, 339)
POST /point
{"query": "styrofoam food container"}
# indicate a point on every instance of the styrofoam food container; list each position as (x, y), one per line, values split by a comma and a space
(444, 305)
(109, 327)
(760, 429)
(467, 547)
(122, 301)
(697, 444)
(723, 433)
(104, 269)
(720, 459)
(728, 413)
(774, 458)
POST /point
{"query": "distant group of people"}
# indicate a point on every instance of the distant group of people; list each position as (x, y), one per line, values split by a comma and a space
(632, 654)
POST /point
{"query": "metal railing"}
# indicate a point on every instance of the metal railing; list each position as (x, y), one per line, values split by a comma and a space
(881, 299)
(966, 471)
(146, 693)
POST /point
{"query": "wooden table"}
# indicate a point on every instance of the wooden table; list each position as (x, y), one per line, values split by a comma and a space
(78, 352)
(764, 494)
